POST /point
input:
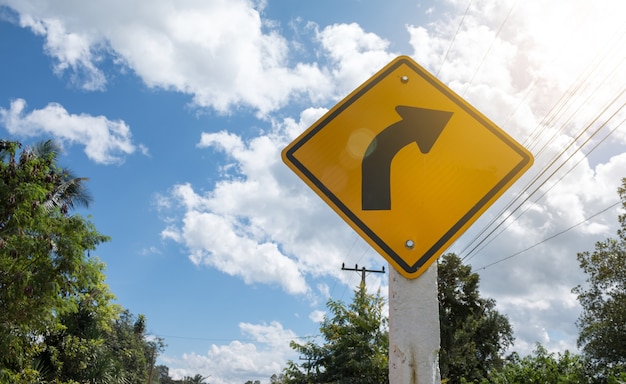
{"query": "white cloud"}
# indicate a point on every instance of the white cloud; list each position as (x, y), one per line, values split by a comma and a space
(220, 52)
(543, 315)
(106, 141)
(238, 362)
(259, 222)
(317, 316)
(72, 51)
(152, 250)
(355, 53)
(230, 246)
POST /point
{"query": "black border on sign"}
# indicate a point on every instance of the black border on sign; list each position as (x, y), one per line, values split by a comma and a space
(433, 251)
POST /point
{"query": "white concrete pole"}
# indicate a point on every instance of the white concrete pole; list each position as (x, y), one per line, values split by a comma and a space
(414, 328)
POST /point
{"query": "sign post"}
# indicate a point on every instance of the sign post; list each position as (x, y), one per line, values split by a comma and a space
(409, 165)
(414, 328)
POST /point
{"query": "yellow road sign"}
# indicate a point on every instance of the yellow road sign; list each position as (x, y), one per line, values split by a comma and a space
(407, 163)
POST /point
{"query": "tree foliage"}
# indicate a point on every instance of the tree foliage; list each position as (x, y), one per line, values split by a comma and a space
(542, 367)
(474, 336)
(75, 348)
(548, 367)
(162, 377)
(355, 345)
(602, 322)
(58, 323)
(44, 266)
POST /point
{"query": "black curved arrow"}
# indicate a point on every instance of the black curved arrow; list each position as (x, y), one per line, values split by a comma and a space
(419, 125)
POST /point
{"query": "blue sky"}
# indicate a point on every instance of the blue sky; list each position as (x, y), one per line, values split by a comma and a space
(178, 113)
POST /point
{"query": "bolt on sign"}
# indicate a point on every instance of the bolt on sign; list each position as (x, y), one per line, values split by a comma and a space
(407, 163)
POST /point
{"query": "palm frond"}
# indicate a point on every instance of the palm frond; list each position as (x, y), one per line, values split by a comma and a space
(47, 149)
(69, 193)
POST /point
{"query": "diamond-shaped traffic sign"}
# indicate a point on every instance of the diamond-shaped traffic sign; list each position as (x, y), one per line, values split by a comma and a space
(407, 163)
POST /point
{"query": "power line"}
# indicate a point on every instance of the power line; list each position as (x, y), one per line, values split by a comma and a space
(365, 251)
(356, 238)
(553, 185)
(609, 49)
(536, 179)
(577, 88)
(569, 38)
(489, 49)
(454, 38)
(580, 91)
(549, 177)
(548, 238)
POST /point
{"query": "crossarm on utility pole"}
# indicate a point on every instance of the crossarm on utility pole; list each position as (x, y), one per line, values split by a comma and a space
(363, 271)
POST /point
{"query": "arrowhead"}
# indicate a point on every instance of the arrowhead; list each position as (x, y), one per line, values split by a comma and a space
(427, 123)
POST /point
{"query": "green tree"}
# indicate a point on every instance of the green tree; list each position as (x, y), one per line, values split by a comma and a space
(542, 367)
(58, 322)
(128, 343)
(75, 349)
(44, 255)
(356, 343)
(602, 322)
(474, 336)
(162, 375)
(277, 379)
(197, 379)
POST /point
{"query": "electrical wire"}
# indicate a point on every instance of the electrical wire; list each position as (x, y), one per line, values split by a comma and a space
(565, 100)
(569, 38)
(445, 57)
(495, 38)
(492, 238)
(559, 108)
(356, 238)
(548, 238)
(581, 90)
(546, 169)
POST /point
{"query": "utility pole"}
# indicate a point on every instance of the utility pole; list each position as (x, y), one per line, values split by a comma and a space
(308, 366)
(363, 270)
(152, 361)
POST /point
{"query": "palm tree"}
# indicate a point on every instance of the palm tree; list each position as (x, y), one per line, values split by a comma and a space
(69, 190)
(197, 379)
